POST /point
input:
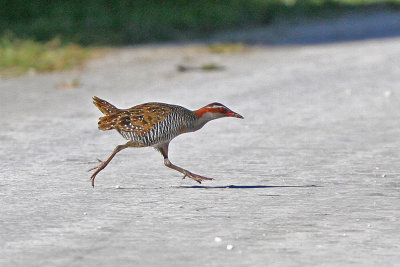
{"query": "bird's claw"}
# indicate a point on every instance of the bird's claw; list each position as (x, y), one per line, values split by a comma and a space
(91, 169)
(196, 177)
(96, 167)
(92, 178)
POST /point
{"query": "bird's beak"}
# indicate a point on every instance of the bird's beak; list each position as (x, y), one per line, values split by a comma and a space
(233, 114)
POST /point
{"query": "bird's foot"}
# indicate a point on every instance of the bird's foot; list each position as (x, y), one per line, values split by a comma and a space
(98, 166)
(196, 177)
(98, 169)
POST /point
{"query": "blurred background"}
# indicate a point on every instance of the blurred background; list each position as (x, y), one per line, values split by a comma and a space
(70, 29)
(314, 165)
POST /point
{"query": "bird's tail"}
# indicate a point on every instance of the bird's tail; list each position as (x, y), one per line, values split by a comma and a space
(105, 107)
(107, 122)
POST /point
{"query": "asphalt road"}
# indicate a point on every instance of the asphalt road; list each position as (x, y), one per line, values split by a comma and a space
(309, 177)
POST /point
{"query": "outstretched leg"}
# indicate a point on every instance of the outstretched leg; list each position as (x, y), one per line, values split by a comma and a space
(105, 163)
(196, 177)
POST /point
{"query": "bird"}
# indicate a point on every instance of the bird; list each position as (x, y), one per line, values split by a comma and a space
(155, 125)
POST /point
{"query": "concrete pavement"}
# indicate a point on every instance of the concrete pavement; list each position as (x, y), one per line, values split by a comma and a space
(314, 165)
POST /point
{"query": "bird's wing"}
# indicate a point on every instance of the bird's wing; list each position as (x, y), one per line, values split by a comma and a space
(142, 118)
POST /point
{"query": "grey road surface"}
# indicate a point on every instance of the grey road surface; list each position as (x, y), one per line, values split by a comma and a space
(309, 177)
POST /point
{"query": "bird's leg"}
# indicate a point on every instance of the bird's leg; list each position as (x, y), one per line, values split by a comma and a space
(105, 163)
(196, 177)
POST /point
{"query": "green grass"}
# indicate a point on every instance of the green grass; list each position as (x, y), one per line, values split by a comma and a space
(45, 34)
(19, 56)
(225, 48)
(116, 22)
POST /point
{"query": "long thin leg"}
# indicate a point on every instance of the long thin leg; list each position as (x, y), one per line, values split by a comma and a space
(105, 163)
(196, 177)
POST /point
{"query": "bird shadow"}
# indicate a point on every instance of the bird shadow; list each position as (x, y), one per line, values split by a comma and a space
(244, 186)
(220, 187)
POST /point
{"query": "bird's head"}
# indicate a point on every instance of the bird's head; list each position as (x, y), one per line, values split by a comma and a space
(214, 111)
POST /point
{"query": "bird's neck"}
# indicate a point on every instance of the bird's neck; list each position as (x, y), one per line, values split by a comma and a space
(202, 118)
(198, 124)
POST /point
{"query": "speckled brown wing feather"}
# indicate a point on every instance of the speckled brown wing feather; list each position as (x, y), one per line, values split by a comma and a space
(142, 118)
